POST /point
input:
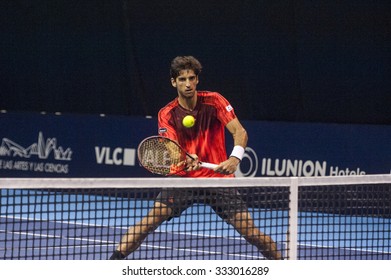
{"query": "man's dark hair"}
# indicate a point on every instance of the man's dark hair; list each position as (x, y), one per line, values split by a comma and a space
(184, 63)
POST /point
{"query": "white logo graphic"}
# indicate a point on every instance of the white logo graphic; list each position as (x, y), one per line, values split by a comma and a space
(117, 156)
(250, 158)
(304, 168)
(250, 165)
(229, 108)
(41, 149)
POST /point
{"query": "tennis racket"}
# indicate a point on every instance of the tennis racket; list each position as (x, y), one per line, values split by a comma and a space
(163, 156)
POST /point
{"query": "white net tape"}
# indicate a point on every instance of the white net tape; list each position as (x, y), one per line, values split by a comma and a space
(31, 183)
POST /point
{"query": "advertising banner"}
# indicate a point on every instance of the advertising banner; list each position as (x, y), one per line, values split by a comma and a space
(58, 145)
(306, 149)
(35, 145)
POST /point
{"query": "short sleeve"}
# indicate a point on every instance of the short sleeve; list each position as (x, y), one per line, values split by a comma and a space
(225, 112)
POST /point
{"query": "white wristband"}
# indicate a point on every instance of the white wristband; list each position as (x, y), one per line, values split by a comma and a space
(238, 152)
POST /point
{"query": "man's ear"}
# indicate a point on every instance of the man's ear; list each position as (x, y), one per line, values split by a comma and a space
(173, 82)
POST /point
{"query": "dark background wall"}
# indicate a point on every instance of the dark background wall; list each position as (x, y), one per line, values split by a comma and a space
(308, 60)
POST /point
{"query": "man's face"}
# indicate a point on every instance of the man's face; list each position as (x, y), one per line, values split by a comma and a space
(185, 83)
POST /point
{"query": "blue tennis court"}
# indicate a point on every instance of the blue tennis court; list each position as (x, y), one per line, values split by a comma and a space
(75, 226)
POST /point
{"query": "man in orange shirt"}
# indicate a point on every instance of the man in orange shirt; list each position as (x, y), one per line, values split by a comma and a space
(205, 141)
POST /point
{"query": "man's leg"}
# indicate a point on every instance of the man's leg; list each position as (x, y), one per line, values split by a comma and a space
(244, 224)
(137, 233)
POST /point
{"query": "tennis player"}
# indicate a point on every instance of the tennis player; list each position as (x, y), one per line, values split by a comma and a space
(205, 141)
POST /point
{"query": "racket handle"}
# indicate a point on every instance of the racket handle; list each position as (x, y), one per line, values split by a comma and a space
(208, 165)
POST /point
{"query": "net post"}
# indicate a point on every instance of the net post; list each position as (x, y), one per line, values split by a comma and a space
(293, 219)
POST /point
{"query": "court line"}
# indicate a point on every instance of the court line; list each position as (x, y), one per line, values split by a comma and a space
(203, 251)
(55, 236)
(117, 227)
(344, 248)
(100, 242)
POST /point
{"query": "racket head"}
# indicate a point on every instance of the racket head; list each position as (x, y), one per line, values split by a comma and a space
(161, 155)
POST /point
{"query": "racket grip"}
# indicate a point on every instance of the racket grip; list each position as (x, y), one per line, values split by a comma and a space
(208, 165)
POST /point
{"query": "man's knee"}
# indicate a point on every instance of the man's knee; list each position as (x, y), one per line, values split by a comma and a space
(161, 209)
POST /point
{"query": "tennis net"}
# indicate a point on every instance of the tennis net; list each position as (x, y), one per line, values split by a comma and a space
(240, 218)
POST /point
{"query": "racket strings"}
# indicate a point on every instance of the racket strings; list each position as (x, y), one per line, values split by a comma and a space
(161, 156)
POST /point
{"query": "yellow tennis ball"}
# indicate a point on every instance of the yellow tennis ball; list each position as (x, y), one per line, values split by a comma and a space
(188, 121)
